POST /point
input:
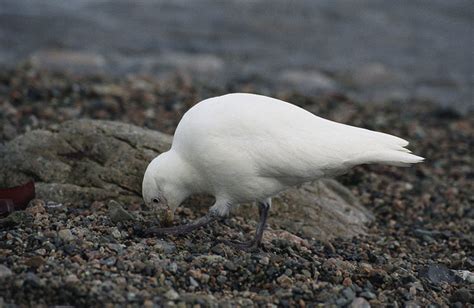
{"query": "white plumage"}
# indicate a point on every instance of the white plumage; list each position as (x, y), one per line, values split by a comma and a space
(246, 147)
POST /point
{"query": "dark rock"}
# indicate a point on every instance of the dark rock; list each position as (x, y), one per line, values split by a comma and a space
(118, 214)
(66, 235)
(348, 293)
(109, 261)
(5, 272)
(35, 261)
(359, 302)
(14, 219)
(368, 295)
(463, 295)
(165, 247)
(438, 273)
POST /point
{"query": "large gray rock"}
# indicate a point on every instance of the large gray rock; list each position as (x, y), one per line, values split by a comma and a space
(323, 210)
(87, 160)
(83, 160)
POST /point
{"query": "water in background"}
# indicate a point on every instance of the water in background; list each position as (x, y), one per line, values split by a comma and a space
(373, 50)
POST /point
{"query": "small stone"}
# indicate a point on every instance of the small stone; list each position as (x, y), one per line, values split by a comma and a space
(165, 247)
(264, 260)
(437, 274)
(172, 295)
(118, 214)
(285, 281)
(115, 247)
(109, 261)
(230, 266)
(66, 235)
(193, 282)
(342, 301)
(77, 259)
(131, 296)
(348, 293)
(359, 302)
(221, 279)
(5, 272)
(173, 267)
(35, 261)
(40, 251)
(465, 275)
(195, 274)
(347, 282)
(72, 279)
(410, 304)
(36, 206)
(116, 233)
(368, 295)
(366, 268)
(148, 304)
(32, 279)
(97, 205)
(463, 295)
(205, 278)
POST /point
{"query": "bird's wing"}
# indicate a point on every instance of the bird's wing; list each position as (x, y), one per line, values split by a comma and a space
(284, 141)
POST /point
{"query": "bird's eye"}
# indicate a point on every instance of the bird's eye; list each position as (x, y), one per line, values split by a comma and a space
(155, 200)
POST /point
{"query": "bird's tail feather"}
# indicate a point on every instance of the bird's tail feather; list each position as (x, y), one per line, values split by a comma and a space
(400, 157)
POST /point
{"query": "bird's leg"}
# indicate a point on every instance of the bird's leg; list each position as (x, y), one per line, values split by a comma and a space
(183, 229)
(263, 209)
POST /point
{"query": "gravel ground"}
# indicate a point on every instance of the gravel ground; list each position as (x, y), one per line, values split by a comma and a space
(413, 254)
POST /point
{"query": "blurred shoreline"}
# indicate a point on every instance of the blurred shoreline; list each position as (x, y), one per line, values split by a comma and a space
(371, 51)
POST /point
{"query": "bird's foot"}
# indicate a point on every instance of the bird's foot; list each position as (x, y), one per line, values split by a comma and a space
(179, 230)
(249, 246)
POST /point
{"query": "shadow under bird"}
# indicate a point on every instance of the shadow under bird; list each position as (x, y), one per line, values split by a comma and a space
(246, 147)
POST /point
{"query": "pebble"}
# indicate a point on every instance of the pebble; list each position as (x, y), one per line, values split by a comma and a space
(72, 279)
(116, 233)
(347, 282)
(221, 279)
(465, 275)
(36, 206)
(165, 247)
(205, 278)
(285, 281)
(172, 295)
(193, 282)
(264, 260)
(35, 261)
(463, 295)
(368, 295)
(118, 214)
(348, 293)
(5, 272)
(359, 302)
(437, 274)
(109, 261)
(173, 267)
(66, 235)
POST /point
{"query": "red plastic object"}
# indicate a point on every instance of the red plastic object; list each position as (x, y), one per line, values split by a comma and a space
(16, 198)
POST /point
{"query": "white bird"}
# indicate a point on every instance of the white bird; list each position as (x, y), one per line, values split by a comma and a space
(247, 147)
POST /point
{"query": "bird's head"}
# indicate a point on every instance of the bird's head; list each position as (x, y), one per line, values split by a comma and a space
(162, 187)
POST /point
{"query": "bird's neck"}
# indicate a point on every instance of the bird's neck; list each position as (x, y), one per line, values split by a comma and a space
(183, 174)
